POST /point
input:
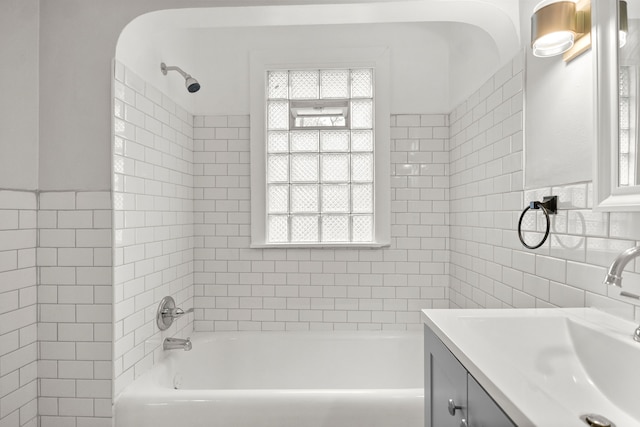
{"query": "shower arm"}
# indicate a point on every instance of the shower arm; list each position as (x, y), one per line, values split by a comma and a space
(164, 68)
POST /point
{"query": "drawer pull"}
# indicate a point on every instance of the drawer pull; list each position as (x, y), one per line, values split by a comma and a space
(453, 407)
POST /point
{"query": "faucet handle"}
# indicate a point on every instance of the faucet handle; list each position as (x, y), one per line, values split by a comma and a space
(168, 312)
(180, 312)
(175, 312)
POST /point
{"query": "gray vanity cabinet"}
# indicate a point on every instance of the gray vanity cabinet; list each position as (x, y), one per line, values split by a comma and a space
(453, 398)
(483, 411)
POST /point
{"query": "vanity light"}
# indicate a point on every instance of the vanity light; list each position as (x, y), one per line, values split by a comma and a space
(561, 27)
(623, 23)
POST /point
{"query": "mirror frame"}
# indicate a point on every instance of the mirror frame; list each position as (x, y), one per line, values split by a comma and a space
(607, 195)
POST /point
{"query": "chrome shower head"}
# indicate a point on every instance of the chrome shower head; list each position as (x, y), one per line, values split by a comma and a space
(191, 83)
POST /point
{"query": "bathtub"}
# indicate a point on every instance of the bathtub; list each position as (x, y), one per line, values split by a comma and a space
(282, 379)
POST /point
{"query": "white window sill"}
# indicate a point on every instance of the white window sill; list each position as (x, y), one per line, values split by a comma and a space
(374, 245)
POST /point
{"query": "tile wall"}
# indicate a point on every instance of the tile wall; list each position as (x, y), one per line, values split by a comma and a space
(153, 211)
(75, 307)
(238, 288)
(489, 266)
(181, 225)
(18, 309)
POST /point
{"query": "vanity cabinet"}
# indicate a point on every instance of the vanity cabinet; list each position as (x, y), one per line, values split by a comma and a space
(453, 398)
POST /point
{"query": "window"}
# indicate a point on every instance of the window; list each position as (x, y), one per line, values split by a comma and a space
(320, 163)
(320, 167)
(627, 145)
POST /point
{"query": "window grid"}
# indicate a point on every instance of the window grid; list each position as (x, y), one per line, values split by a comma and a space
(326, 223)
(627, 126)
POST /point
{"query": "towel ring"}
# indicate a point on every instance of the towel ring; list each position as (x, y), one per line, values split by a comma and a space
(549, 205)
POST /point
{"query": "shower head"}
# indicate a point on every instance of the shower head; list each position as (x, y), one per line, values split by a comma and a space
(191, 83)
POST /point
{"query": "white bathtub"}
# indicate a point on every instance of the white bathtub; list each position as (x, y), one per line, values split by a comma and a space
(289, 379)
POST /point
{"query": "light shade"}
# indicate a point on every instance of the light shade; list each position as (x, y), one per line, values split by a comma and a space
(623, 23)
(554, 28)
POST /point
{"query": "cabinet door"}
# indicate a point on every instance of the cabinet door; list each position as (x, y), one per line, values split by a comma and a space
(445, 379)
(483, 411)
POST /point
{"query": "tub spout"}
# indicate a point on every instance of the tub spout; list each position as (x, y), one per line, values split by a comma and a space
(176, 344)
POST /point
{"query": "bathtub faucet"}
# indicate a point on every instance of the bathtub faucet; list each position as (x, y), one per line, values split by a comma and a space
(176, 344)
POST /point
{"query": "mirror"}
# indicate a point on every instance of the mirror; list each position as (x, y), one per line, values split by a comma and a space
(617, 174)
(617, 67)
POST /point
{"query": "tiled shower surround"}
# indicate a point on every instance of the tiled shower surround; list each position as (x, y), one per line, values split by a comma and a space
(239, 288)
(153, 212)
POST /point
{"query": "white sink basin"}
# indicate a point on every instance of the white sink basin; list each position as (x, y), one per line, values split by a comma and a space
(610, 362)
(548, 366)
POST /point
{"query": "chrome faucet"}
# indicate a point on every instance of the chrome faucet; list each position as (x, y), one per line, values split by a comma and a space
(177, 344)
(168, 312)
(614, 276)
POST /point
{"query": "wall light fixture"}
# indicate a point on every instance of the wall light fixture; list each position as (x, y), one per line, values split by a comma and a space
(623, 23)
(561, 27)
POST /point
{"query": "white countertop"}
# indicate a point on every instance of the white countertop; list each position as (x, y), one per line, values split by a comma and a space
(547, 367)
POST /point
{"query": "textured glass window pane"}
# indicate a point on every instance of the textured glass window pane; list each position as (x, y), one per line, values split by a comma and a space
(278, 142)
(624, 140)
(295, 166)
(362, 167)
(362, 83)
(304, 84)
(334, 140)
(278, 229)
(278, 198)
(278, 115)
(362, 226)
(304, 229)
(624, 113)
(361, 114)
(624, 169)
(362, 197)
(278, 84)
(361, 140)
(624, 81)
(335, 228)
(304, 167)
(335, 198)
(278, 168)
(320, 122)
(334, 84)
(304, 198)
(304, 140)
(335, 167)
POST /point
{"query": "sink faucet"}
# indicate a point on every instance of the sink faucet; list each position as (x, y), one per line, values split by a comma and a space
(176, 344)
(614, 276)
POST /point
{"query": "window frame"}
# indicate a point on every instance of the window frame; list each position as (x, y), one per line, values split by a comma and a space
(270, 60)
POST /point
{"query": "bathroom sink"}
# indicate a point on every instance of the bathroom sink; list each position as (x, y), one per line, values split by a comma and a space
(610, 361)
(548, 366)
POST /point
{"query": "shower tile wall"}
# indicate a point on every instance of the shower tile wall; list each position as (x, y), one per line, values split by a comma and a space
(18, 309)
(75, 306)
(153, 211)
(489, 266)
(238, 288)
